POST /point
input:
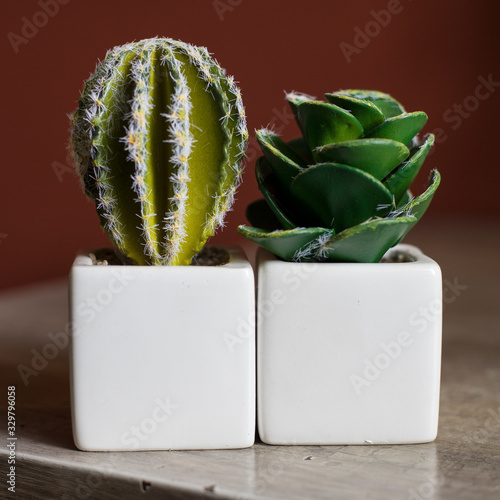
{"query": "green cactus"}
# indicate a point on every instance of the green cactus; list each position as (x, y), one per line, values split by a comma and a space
(340, 192)
(158, 140)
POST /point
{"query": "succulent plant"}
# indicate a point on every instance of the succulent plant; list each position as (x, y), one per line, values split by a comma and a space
(341, 191)
(158, 141)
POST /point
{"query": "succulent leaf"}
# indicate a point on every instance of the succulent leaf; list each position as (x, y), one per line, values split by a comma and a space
(378, 157)
(387, 104)
(325, 123)
(369, 241)
(417, 206)
(400, 180)
(295, 99)
(273, 192)
(284, 162)
(405, 199)
(341, 196)
(367, 113)
(260, 215)
(299, 147)
(285, 244)
(400, 128)
(340, 192)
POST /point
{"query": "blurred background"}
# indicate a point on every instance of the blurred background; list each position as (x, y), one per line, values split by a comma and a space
(438, 57)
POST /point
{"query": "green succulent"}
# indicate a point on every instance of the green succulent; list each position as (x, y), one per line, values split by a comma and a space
(340, 192)
(158, 140)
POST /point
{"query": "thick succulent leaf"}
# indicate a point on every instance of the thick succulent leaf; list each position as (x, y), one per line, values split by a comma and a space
(295, 99)
(259, 214)
(272, 144)
(271, 189)
(401, 128)
(406, 198)
(419, 205)
(400, 180)
(341, 196)
(367, 113)
(387, 104)
(325, 123)
(369, 241)
(416, 207)
(300, 147)
(284, 162)
(377, 157)
(285, 244)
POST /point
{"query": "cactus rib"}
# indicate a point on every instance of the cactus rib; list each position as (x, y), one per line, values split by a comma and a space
(158, 140)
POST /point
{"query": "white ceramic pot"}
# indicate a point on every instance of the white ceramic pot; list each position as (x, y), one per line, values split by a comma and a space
(349, 353)
(163, 357)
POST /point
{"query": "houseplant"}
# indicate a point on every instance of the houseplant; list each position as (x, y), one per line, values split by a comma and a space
(346, 351)
(158, 141)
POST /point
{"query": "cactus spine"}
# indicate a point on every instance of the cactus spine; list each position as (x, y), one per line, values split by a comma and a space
(158, 140)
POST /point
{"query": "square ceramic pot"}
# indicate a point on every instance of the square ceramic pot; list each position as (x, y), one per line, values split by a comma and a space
(163, 357)
(349, 353)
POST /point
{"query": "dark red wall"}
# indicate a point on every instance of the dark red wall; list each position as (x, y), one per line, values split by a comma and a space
(433, 56)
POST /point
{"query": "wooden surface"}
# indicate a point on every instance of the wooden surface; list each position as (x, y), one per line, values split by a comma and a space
(463, 463)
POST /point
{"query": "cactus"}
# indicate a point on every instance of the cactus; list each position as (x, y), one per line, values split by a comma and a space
(158, 141)
(340, 192)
